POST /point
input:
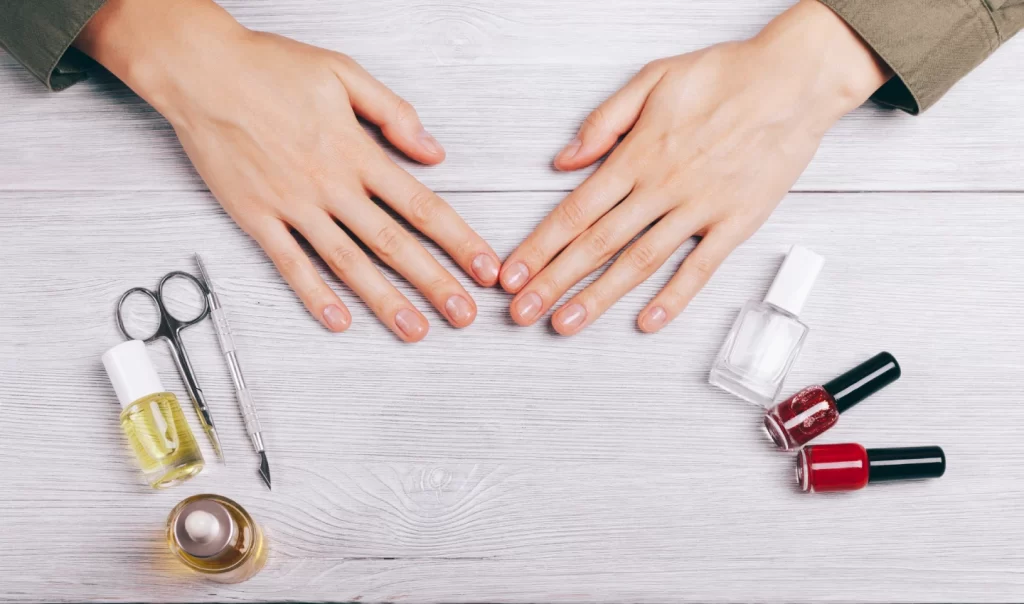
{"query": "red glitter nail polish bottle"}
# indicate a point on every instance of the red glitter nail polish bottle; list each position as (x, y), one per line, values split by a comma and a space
(810, 412)
(848, 467)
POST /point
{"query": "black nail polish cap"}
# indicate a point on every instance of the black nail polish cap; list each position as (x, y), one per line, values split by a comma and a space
(863, 380)
(905, 463)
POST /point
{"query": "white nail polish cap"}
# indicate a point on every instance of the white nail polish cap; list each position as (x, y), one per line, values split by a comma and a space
(795, 279)
(131, 372)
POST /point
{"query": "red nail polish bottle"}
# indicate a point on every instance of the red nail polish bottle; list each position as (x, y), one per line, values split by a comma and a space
(848, 467)
(808, 413)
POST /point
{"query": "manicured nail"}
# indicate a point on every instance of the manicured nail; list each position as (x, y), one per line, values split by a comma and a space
(485, 268)
(411, 324)
(429, 142)
(528, 306)
(572, 317)
(516, 276)
(571, 149)
(459, 310)
(654, 320)
(335, 319)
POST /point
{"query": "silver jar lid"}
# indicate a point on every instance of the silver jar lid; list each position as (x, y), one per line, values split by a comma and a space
(204, 528)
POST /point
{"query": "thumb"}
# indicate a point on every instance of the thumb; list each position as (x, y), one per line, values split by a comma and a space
(396, 118)
(613, 118)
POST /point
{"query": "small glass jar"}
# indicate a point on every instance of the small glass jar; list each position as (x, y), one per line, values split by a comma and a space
(217, 538)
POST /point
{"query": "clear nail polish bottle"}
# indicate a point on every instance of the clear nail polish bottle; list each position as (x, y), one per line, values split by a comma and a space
(767, 336)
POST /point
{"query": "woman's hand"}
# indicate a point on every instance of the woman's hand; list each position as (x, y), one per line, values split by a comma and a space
(270, 124)
(713, 140)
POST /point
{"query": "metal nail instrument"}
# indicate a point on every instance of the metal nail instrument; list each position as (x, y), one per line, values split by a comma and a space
(227, 346)
(169, 328)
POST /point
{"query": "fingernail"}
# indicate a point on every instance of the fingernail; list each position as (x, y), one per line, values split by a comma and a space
(411, 324)
(334, 318)
(429, 142)
(572, 316)
(516, 276)
(654, 320)
(529, 306)
(459, 309)
(571, 149)
(485, 268)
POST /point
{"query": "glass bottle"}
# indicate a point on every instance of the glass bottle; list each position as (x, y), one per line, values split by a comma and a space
(807, 414)
(216, 537)
(767, 336)
(849, 466)
(151, 417)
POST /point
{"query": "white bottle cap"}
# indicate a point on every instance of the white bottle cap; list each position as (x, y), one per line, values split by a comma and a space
(795, 279)
(131, 372)
(202, 526)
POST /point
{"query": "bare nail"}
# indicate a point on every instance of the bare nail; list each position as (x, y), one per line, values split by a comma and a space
(516, 276)
(485, 268)
(411, 324)
(459, 310)
(528, 306)
(334, 318)
(571, 149)
(429, 142)
(654, 320)
(572, 316)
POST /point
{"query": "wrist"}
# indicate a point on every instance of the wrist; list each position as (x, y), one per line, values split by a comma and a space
(154, 46)
(837, 70)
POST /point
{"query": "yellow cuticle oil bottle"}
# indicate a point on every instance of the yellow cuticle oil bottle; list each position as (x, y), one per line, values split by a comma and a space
(217, 538)
(151, 417)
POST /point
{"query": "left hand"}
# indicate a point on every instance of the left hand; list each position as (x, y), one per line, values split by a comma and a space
(713, 140)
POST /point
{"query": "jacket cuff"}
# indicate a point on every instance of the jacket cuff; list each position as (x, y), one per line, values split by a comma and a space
(39, 33)
(929, 44)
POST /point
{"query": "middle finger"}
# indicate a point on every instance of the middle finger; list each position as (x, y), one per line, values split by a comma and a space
(394, 246)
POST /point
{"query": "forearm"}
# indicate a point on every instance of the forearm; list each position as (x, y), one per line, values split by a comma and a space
(154, 46)
(827, 62)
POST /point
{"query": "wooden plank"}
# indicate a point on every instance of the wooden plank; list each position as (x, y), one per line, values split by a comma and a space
(500, 463)
(504, 86)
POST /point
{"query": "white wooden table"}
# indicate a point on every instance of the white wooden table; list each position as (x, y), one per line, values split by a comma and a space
(507, 464)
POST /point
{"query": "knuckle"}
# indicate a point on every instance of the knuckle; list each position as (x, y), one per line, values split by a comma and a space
(341, 257)
(547, 285)
(289, 264)
(387, 243)
(702, 267)
(599, 242)
(571, 213)
(404, 112)
(424, 207)
(642, 257)
(597, 119)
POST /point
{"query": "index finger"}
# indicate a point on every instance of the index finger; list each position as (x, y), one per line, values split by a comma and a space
(598, 194)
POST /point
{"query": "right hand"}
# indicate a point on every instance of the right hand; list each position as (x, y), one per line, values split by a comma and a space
(270, 125)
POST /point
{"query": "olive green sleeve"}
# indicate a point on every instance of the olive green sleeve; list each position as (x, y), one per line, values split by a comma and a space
(929, 44)
(39, 33)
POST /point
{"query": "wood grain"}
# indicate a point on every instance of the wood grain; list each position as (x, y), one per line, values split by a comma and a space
(499, 463)
(504, 85)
